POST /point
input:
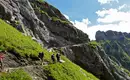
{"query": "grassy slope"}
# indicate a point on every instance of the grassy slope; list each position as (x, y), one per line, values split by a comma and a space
(68, 71)
(11, 39)
(15, 75)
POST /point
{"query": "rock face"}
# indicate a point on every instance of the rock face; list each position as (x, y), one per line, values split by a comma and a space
(89, 59)
(42, 21)
(45, 24)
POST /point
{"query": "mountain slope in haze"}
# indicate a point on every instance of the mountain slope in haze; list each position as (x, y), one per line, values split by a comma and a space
(23, 55)
(116, 45)
(47, 26)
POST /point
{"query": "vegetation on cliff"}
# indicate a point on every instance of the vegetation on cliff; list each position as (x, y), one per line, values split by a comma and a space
(43, 8)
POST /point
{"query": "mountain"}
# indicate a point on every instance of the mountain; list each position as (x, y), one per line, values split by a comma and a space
(116, 46)
(28, 27)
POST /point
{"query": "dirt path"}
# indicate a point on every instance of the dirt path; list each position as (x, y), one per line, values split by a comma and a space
(9, 69)
(73, 45)
(35, 71)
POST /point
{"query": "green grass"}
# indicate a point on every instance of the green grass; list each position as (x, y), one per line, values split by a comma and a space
(15, 75)
(12, 40)
(68, 71)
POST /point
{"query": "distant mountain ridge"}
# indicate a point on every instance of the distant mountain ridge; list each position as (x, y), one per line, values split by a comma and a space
(111, 35)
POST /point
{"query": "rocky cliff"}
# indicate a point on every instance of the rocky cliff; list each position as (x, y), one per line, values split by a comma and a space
(46, 25)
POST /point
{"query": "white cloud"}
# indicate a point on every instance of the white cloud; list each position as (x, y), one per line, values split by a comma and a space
(67, 17)
(91, 30)
(122, 26)
(82, 25)
(114, 19)
(113, 15)
(107, 1)
(104, 12)
(111, 19)
(123, 6)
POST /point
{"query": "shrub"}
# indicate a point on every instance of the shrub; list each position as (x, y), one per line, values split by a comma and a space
(93, 44)
(58, 19)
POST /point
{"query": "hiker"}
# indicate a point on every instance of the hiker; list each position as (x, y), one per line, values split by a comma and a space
(58, 57)
(2, 55)
(53, 58)
(41, 55)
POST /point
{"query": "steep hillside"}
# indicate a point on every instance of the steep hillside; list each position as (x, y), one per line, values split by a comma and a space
(116, 45)
(46, 25)
(22, 57)
(92, 57)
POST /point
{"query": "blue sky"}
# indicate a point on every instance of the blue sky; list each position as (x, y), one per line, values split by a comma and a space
(77, 9)
(93, 15)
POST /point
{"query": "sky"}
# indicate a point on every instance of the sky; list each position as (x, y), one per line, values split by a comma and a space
(93, 15)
